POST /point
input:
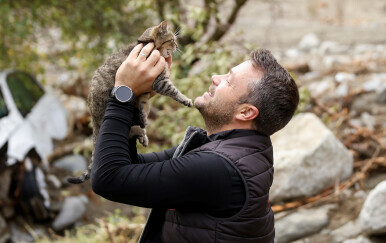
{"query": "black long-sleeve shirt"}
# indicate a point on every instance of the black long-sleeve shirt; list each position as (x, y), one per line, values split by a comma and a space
(196, 181)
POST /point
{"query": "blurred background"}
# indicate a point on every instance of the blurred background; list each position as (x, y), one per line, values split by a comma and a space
(330, 166)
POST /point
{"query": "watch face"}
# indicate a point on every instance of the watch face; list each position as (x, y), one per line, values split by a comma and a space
(123, 93)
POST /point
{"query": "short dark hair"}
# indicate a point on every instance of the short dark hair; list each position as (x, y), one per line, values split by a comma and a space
(275, 95)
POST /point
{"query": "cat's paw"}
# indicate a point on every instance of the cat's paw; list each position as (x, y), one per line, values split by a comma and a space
(144, 140)
(188, 103)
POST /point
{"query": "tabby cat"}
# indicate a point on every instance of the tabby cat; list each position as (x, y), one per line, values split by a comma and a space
(103, 81)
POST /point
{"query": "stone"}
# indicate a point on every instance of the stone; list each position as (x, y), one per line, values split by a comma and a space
(359, 239)
(308, 158)
(378, 81)
(311, 75)
(360, 194)
(319, 88)
(347, 231)
(4, 232)
(292, 53)
(381, 95)
(331, 47)
(54, 181)
(72, 210)
(372, 217)
(301, 223)
(20, 235)
(368, 120)
(342, 90)
(71, 163)
(309, 41)
(344, 77)
(333, 61)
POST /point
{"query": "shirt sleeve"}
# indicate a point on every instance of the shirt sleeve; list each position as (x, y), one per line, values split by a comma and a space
(156, 156)
(199, 180)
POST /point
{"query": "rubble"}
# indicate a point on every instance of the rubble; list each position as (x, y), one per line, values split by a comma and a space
(373, 215)
(308, 158)
(72, 210)
(71, 163)
(301, 223)
(347, 231)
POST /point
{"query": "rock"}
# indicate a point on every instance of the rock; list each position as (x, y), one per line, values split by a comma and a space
(292, 53)
(54, 181)
(317, 89)
(360, 239)
(360, 194)
(342, 90)
(72, 210)
(368, 120)
(344, 77)
(71, 163)
(331, 47)
(308, 158)
(308, 42)
(301, 223)
(381, 95)
(19, 235)
(4, 232)
(378, 81)
(311, 76)
(332, 61)
(347, 231)
(372, 217)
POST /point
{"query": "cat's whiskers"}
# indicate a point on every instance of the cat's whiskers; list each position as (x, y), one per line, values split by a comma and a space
(178, 50)
(177, 32)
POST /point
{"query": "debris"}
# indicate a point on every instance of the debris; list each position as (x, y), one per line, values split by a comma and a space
(373, 214)
(72, 210)
(301, 223)
(71, 163)
(347, 231)
(308, 158)
(344, 77)
(308, 42)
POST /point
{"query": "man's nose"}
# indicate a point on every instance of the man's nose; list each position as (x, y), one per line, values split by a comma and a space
(216, 79)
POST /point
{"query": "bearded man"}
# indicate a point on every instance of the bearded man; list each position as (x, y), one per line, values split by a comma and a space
(213, 187)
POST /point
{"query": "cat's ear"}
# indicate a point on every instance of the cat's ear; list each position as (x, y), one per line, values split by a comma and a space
(163, 26)
(146, 36)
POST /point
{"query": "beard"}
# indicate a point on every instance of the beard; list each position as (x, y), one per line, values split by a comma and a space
(216, 114)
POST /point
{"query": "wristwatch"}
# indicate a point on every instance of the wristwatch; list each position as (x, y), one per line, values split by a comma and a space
(123, 93)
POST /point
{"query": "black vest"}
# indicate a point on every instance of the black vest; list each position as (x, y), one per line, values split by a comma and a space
(252, 157)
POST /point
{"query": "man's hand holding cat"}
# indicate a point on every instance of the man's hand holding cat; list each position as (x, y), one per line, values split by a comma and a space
(140, 69)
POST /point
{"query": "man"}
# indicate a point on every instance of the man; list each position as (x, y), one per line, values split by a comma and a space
(213, 187)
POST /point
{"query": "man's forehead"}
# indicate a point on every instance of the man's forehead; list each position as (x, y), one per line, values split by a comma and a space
(246, 69)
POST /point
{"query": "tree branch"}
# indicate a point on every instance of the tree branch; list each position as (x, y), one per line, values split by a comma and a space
(223, 28)
(161, 9)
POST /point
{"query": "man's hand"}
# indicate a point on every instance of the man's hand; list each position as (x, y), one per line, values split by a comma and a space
(139, 70)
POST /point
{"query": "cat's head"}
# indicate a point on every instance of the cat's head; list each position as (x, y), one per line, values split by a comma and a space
(165, 40)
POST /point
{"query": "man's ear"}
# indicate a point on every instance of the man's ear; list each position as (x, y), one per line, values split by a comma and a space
(247, 112)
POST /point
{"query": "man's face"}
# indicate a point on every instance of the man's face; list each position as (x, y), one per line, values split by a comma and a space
(218, 106)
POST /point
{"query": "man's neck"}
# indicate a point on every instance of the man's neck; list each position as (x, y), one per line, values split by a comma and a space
(228, 127)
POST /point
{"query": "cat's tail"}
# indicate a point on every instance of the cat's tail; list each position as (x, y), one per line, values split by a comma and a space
(84, 176)
(80, 179)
